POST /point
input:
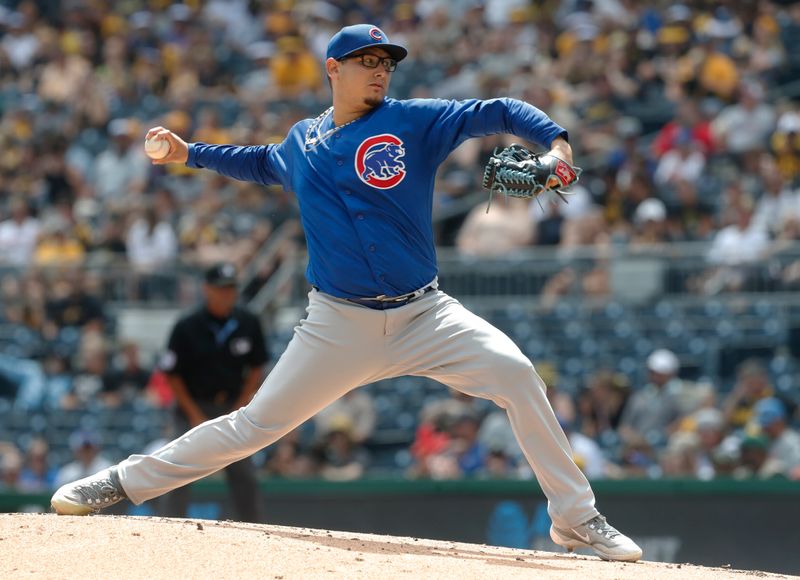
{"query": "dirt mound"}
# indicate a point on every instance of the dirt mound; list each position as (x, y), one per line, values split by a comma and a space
(50, 546)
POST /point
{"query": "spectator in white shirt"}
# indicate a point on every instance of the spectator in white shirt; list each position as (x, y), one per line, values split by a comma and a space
(745, 126)
(151, 243)
(742, 242)
(684, 162)
(122, 168)
(777, 204)
(86, 446)
(19, 43)
(18, 235)
(734, 249)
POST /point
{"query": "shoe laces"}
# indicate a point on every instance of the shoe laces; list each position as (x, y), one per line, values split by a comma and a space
(602, 527)
(99, 492)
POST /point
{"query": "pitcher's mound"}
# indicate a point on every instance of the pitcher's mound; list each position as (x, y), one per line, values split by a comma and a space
(111, 547)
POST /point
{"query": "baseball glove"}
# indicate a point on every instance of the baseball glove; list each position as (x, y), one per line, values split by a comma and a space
(518, 172)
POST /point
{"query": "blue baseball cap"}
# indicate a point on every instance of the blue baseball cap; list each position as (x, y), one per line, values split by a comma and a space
(352, 38)
(768, 411)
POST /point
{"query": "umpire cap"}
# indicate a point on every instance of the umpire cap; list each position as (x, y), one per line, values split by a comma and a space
(221, 274)
(352, 38)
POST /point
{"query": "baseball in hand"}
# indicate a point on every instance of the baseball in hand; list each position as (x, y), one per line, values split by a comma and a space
(156, 148)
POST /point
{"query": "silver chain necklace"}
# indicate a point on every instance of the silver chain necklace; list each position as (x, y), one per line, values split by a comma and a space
(313, 140)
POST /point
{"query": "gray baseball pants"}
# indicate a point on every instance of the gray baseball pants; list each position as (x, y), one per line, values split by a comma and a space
(340, 346)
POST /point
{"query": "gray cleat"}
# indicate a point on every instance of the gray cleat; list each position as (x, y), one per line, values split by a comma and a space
(600, 536)
(90, 494)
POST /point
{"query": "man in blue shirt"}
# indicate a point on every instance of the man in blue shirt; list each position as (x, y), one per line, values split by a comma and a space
(363, 172)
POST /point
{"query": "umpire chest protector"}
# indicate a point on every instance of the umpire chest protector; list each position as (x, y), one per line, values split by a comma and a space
(212, 355)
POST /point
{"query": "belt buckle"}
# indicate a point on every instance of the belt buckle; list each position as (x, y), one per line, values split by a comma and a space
(403, 298)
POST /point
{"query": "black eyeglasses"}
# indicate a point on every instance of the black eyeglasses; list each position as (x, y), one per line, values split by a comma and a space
(372, 61)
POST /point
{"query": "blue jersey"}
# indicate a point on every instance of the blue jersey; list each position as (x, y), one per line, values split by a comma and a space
(366, 191)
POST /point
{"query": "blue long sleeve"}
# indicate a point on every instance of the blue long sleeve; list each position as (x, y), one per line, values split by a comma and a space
(458, 121)
(261, 164)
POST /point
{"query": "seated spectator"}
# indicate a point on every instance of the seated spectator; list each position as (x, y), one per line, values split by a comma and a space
(787, 275)
(652, 411)
(58, 245)
(687, 118)
(356, 408)
(341, 458)
(717, 73)
(467, 449)
(785, 144)
(151, 242)
(684, 162)
(109, 246)
(753, 455)
(498, 466)
(120, 170)
(588, 454)
(433, 449)
(650, 225)
(602, 403)
(745, 126)
(505, 228)
(504, 453)
(66, 72)
(28, 380)
(87, 382)
(37, 474)
(765, 52)
(152, 247)
(158, 391)
(288, 458)
(294, 69)
(639, 459)
(125, 381)
(778, 203)
(457, 452)
(18, 234)
(709, 423)
(752, 385)
(10, 466)
(734, 251)
(692, 450)
(70, 303)
(58, 379)
(689, 219)
(783, 457)
(86, 447)
(680, 457)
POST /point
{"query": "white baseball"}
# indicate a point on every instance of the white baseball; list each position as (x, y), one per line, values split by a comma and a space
(156, 148)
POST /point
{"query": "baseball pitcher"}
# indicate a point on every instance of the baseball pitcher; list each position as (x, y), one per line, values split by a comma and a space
(363, 172)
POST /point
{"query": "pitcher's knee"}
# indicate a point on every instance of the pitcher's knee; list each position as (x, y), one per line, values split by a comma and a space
(256, 436)
(514, 370)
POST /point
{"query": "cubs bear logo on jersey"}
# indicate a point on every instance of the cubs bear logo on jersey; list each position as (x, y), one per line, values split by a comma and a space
(378, 161)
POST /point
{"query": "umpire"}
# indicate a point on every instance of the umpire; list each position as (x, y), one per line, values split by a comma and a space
(215, 363)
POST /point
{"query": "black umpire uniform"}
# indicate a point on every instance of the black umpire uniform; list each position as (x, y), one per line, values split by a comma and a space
(215, 363)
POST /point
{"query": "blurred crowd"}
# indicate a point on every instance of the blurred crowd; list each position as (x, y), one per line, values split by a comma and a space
(684, 116)
(666, 427)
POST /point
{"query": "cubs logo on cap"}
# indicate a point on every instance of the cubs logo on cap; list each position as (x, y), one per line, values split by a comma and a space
(352, 38)
(378, 161)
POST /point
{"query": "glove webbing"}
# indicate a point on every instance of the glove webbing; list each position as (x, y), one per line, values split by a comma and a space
(495, 168)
